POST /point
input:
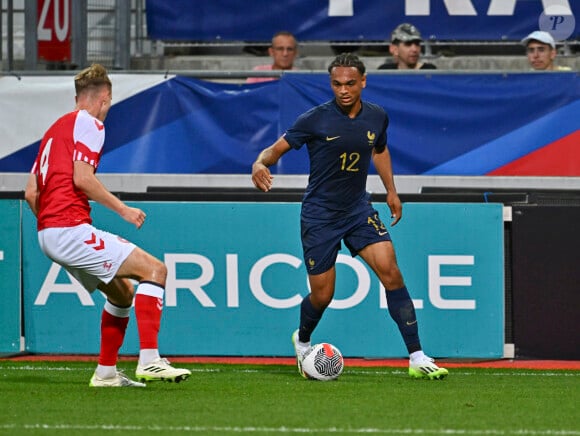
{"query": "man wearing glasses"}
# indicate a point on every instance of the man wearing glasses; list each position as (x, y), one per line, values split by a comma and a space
(283, 51)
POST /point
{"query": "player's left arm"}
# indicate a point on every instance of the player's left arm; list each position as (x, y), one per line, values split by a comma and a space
(382, 162)
(31, 193)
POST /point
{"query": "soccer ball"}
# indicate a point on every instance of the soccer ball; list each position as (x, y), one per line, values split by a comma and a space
(323, 362)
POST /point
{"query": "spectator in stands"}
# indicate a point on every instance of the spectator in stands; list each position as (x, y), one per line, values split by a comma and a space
(405, 48)
(541, 51)
(283, 52)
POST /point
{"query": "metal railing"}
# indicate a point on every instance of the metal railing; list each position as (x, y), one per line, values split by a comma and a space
(105, 31)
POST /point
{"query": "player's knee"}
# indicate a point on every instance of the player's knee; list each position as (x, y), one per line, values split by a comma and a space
(158, 272)
(392, 278)
(149, 268)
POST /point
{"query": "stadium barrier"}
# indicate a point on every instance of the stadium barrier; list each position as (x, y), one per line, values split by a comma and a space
(536, 307)
(227, 294)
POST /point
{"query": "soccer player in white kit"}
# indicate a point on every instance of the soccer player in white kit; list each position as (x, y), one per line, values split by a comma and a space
(61, 183)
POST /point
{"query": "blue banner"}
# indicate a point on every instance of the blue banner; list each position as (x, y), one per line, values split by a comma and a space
(436, 123)
(233, 289)
(10, 267)
(358, 20)
(440, 124)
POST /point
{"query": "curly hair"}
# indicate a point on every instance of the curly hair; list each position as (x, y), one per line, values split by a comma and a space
(92, 78)
(348, 60)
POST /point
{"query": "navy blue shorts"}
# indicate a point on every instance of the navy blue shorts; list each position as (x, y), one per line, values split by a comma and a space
(321, 239)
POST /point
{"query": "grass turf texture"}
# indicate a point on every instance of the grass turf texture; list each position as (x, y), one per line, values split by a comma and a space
(54, 398)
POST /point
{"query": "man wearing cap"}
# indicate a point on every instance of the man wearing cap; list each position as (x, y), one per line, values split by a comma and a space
(405, 48)
(541, 51)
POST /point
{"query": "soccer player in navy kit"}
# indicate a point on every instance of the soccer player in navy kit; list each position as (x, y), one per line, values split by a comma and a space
(342, 136)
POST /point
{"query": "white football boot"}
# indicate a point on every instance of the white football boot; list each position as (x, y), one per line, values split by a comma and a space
(120, 380)
(425, 367)
(161, 370)
(301, 350)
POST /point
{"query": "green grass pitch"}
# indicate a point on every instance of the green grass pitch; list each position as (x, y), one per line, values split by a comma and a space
(53, 398)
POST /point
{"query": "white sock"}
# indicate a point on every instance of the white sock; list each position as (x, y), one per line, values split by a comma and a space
(148, 355)
(103, 371)
(417, 355)
(302, 346)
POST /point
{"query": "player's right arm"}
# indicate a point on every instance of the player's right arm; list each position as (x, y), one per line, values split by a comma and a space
(85, 179)
(261, 176)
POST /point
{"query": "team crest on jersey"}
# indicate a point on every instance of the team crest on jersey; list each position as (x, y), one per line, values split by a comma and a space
(371, 137)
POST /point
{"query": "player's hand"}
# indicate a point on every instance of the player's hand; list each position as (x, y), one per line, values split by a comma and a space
(261, 177)
(134, 216)
(395, 206)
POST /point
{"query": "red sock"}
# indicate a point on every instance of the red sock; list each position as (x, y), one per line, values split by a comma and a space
(112, 335)
(148, 311)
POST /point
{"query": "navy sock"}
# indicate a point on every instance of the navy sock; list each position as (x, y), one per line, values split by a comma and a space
(309, 318)
(403, 313)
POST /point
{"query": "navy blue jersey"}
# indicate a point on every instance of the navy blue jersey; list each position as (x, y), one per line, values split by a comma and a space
(340, 150)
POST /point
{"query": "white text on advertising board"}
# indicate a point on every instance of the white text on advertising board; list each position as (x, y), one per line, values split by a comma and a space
(196, 285)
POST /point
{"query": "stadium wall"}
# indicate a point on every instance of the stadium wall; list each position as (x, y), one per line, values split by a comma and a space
(524, 304)
(233, 290)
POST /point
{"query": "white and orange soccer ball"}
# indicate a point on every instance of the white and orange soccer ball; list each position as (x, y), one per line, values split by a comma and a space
(324, 362)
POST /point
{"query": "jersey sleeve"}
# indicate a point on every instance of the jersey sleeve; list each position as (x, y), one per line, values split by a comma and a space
(300, 132)
(89, 137)
(381, 143)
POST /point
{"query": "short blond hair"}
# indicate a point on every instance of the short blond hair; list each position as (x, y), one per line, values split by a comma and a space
(92, 78)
